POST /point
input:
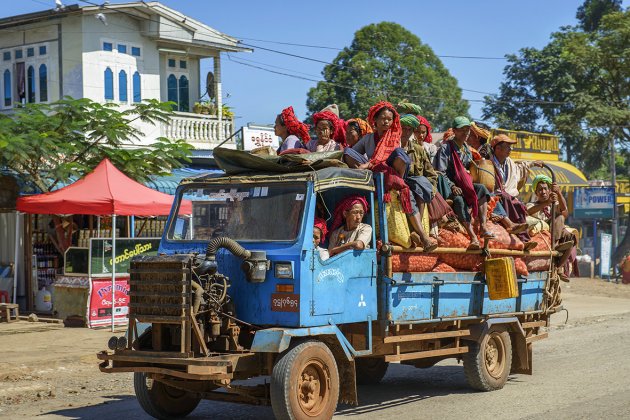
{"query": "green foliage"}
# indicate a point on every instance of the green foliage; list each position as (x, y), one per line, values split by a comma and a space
(387, 62)
(578, 86)
(591, 12)
(68, 138)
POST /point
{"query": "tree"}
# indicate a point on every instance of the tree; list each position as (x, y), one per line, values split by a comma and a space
(387, 62)
(54, 143)
(577, 86)
(591, 12)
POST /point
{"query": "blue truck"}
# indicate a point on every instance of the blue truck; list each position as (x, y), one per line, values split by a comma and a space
(239, 291)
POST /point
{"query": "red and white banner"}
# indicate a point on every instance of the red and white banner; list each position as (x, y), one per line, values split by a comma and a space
(100, 308)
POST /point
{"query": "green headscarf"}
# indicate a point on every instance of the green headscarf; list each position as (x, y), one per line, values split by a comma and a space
(405, 107)
(540, 178)
(409, 120)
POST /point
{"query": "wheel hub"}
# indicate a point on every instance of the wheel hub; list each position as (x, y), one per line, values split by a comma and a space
(311, 394)
(493, 357)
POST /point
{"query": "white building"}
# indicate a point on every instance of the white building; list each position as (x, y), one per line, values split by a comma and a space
(139, 50)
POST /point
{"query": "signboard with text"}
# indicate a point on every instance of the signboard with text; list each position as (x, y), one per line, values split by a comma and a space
(259, 137)
(594, 203)
(605, 253)
(101, 295)
(532, 145)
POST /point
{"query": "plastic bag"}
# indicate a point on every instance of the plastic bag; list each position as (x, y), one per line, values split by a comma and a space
(397, 226)
(407, 262)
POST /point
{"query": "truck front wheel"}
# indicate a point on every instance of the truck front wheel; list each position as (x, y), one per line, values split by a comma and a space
(162, 401)
(305, 383)
(487, 363)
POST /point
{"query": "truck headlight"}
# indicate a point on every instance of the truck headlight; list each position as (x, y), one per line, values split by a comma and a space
(284, 270)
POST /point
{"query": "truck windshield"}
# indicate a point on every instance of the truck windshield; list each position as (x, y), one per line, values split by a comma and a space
(239, 211)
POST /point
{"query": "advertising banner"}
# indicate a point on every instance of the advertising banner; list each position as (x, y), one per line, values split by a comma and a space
(100, 309)
(594, 203)
(606, 251)
(126, 248)
(259, 137)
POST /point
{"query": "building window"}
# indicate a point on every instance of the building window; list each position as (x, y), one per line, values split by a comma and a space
(137, 91)
(122, 48)
(42, 50)
(135, 51)
(108, 46)
(18, 54)
(171, 87)
(122, 86)
(182, 64)
(6, 56)
(7, 88)
(30, 77)
(171, 62)
(109, 84)
(43, 83)
(184, 105)
(30, 52)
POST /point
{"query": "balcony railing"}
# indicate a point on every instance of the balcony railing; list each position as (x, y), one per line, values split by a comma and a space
(202, 131)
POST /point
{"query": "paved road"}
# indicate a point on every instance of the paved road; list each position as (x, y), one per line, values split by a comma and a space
(581, 371)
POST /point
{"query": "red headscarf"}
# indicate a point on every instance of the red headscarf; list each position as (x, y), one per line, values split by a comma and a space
(390, 139)
(425, 122)
(321, 225)
(295, 126)
(345, 205)
(338, 126)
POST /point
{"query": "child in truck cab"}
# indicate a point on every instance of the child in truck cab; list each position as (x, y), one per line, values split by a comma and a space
(320, 230)
(348, 229)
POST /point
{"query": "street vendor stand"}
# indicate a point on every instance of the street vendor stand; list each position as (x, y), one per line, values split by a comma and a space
(105, 191)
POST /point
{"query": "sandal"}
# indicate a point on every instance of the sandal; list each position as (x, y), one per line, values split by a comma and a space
(473, 246)
(430, 246)
(530, 245)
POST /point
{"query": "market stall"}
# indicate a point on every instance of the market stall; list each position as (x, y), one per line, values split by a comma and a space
(105, 191)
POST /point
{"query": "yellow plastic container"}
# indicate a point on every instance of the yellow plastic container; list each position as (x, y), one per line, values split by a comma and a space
(501, 278)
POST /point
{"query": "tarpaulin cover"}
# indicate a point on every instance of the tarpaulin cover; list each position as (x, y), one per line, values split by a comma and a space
(104, 191)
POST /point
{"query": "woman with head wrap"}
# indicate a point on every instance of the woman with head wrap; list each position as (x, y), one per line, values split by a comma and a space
(293, 132)
(375, 148)
(547, 193)
(348, 229)
(479, 139)
(356, 128)
(326, 125)
(423, 136)
(320, 231)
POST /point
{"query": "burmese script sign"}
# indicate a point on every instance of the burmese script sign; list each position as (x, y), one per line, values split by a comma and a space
(531, 142)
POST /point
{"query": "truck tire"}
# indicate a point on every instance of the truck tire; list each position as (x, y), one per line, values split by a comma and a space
(487, 363)
(162, 401)
(305, 383)
(370, 370)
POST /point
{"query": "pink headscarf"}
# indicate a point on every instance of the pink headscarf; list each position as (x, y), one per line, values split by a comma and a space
(344, 205)
(425, 122)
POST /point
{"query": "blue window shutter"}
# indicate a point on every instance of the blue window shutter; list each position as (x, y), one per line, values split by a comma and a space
(30, 84)
(8, 98)
(43, 83)
(42, 50)
(122, 86)
(109, 84)
(108, 46)
(171, 84)
(135, 51)
(184, 105)
(122, 48)
(137, 89)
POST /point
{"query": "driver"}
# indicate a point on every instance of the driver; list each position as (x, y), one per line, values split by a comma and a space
(348, 229)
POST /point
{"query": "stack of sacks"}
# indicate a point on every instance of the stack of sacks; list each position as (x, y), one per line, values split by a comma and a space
(544, 244)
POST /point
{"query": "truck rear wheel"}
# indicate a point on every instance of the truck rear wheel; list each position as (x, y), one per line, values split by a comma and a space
(305, 383)
(162, 401)
(487, 363)
(370, 370)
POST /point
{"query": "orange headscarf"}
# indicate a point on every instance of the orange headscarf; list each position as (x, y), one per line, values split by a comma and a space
(364, 126)
(390, 139)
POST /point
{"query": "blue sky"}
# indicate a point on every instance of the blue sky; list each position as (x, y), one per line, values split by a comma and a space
(484, 28)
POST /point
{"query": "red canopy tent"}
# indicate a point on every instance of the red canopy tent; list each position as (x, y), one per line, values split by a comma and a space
(104, 191)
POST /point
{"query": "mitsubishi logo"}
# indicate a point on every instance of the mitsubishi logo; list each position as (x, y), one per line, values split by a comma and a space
(362, 302)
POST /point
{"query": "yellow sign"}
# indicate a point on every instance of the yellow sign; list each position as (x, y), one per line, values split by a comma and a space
(532, 143)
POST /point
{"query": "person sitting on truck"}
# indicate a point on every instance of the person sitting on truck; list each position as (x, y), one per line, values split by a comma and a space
(326, 125)
(356, 128)
(293, 132)
(320, 231)
(479, 139)
(453, 160)
(348, 229)
(423, 136)
(565, 239)
(375, 148)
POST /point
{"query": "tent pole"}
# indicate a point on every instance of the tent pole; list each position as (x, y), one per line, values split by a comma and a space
(113, 268)
(98, 226)
(17, 255)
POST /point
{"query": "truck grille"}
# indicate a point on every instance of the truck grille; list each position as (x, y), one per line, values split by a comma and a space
(160, 288)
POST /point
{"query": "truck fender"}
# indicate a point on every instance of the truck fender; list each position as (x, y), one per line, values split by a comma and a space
(277, 340)
(521, 350)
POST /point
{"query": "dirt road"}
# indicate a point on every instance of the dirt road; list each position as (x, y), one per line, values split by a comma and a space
(581, 371)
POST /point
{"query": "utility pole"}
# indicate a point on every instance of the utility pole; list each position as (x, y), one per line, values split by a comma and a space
(615, 222)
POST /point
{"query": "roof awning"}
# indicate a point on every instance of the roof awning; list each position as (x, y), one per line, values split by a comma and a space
(567, 176)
